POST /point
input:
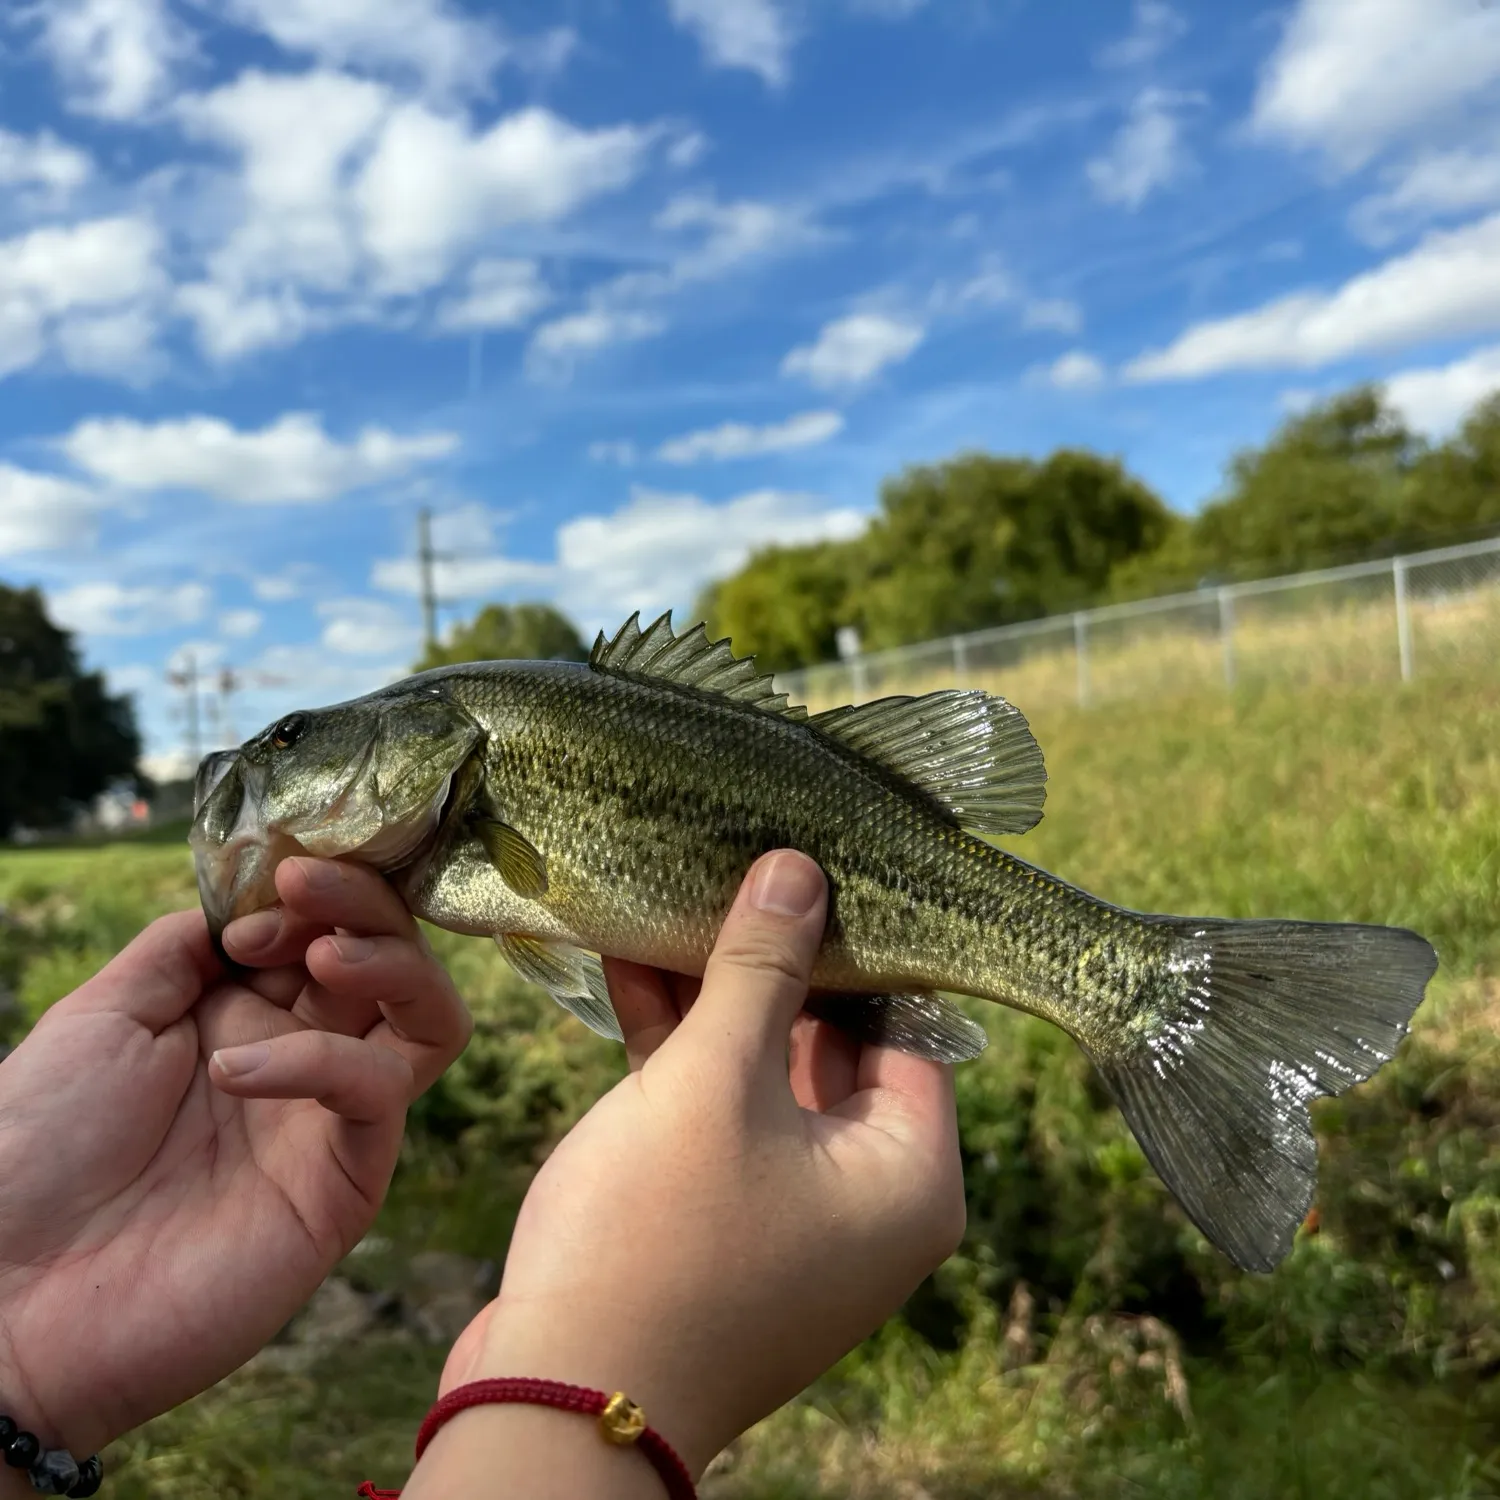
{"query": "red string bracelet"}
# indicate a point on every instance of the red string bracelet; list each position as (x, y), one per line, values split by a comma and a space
(620, 1421)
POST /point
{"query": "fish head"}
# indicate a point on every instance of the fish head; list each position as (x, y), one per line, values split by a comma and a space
(365, 780)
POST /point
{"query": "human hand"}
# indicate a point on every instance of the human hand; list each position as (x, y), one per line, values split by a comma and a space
(161, 1217)
(721, 1228)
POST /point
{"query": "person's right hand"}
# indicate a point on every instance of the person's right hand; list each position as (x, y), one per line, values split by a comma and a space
(716, 1233)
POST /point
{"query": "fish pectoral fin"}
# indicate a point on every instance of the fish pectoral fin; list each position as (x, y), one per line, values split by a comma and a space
(574, 978)
(520, 864)
(923, 1025)
(972, 752)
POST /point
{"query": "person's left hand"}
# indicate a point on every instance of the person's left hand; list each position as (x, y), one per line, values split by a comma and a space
(162, 1216)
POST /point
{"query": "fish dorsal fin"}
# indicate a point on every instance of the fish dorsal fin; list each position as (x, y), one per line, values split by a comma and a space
(970, 751)
(689, 660)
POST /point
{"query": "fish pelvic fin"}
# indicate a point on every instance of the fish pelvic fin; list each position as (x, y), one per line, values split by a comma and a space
(1270, 1016)
(573, 977)
(923, 1025)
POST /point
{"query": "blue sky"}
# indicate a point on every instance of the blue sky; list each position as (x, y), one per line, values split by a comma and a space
(623, 289)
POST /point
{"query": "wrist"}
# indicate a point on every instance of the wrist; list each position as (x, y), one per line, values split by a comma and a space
(645, 1368)
(534, 1451)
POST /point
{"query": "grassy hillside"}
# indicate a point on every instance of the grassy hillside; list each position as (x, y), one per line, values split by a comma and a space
(1085, 1342)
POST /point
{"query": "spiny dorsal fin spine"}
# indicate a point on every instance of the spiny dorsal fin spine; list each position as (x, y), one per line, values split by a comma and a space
(689, 660)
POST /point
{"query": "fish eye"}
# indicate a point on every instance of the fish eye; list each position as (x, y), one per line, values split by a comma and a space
(288, 731)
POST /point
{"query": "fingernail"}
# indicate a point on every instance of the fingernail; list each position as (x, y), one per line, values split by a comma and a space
(253, 933)
(235, 1062)
(320, 874)
(353, 950)
(787, 884)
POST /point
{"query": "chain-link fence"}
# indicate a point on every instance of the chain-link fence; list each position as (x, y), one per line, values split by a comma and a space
(1380, 621)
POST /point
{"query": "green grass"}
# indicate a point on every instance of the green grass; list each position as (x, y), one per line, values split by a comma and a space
(1366, 1366)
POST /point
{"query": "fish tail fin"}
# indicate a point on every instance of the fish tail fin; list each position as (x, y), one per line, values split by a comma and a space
(1262, 1017)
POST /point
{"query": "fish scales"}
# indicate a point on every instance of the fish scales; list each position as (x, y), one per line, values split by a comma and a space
(613, 808)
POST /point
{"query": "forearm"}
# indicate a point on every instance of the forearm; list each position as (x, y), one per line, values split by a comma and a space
(529, 1453)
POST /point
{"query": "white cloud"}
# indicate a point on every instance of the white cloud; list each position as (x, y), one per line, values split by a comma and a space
(654, 552)
(734, 232)
(109, 608)
(346, 196)
(741, 440)
(277, 588)
(1437, 399)
(1437, 184)
(1146, 153)
(854, 349)
(1077, 370)
(232, 322)
(291, 461)
(750, 34)
(367, 627)
(1449, 285)
(500, 294)
(39, 512)
(658, 550)
(79, 270)
(1156, 27)
(120, 343)
(622, 452)
(1056, 313)
(556, 345)
(115, 57)
(299, 139)
(447, 49)
(42, 162)
(1350, 77)
(431, 186)
(239, 624)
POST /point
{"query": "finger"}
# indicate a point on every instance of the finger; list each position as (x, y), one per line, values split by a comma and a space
(157, 978)
(352, 1078)
(757, 976)
(425, 1021)
(643, 1006)
(271, 938)
(281, 986)
(336, 893)
(908, 1096)
(824, 1064)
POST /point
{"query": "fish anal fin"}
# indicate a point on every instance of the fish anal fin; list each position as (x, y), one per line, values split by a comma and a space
(923, 1025)
(520, 864)
(970, 751)
(688, 660)
(574, 978)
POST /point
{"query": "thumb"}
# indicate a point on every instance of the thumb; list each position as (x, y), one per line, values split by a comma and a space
(757, 976)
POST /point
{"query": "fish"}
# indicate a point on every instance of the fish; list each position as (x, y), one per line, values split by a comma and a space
(574, 810)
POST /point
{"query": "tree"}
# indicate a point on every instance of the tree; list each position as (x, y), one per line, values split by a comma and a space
(981, 541)
(63, 738)
(786, 604)
(1455, 488)
(525, 632)
(1330, 486)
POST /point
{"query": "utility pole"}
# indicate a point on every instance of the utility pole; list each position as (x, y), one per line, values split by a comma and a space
(425, 559)
(186, 678)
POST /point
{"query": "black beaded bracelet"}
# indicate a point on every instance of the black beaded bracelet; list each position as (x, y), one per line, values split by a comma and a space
(52, 1471)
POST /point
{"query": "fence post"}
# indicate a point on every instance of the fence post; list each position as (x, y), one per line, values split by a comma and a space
(1403, 616)
(960, 660)
(1226, 632)
(1081, 646)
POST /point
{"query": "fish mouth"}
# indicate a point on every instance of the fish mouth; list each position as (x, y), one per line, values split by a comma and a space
(236, 854)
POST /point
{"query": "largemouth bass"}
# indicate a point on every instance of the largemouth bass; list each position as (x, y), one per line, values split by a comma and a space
(572, 810)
